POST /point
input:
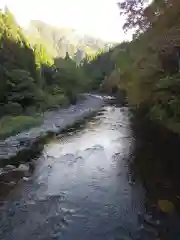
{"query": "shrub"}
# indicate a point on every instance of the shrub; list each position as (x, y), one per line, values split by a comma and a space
(11, 108)
(11, 125)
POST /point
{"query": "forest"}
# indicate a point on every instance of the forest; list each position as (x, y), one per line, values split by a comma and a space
(148, 67)
(33, 80)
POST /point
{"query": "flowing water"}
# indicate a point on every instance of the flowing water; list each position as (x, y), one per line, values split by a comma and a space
(82, 187)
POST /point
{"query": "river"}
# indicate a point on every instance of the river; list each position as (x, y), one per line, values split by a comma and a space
(82, 187)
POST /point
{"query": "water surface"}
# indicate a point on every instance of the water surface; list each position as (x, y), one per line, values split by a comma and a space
(82, 187)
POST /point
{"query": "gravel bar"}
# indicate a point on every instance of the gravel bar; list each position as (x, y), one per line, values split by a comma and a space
(54, 122)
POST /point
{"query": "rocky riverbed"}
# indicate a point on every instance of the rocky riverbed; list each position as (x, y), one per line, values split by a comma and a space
(54, 123)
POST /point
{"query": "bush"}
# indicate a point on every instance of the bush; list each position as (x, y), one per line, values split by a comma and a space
(11, 125)
(22, 88)
(11, 108)
(54, 101)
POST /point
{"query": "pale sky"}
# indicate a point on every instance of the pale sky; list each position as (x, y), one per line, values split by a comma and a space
(99, 18)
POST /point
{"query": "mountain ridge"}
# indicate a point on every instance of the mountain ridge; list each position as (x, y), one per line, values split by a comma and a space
(60, 40)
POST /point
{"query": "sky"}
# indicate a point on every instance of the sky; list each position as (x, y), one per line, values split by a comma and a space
(99, 18)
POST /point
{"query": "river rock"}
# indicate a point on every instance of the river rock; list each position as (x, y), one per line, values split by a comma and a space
(11, 176)
(11, 184)
(9, 167)
(98, 147)
(32, 166)
(24, 167)
(147, 219)
(26, 179)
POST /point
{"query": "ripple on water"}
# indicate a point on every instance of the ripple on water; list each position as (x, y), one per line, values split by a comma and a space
(80, 188)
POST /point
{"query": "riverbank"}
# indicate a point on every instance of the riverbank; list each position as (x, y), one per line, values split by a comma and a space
(54, 122)
(156, 161)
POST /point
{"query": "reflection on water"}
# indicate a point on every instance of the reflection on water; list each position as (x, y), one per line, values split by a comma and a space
(83, 188)
(156, 163)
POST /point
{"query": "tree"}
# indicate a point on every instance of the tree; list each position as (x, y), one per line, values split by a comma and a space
(143, 14)
(29, 76)
(67, 57)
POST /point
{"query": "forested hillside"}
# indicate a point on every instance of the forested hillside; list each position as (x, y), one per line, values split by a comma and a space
(34, 75)
(58, 41)
(30, 80)
(98, 67)
(147, 68)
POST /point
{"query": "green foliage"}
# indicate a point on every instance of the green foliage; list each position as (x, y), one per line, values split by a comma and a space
(11, 108)
(147, 68)
(70, 77)
(55, 100)
(11, 125)
(18, 82)
(30, 79)
(98, 67)
(42, 57)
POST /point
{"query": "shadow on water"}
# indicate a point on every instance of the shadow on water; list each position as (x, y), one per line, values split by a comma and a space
(156, 163)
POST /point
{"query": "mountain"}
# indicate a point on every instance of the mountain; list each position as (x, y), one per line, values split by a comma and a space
(58, 41)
